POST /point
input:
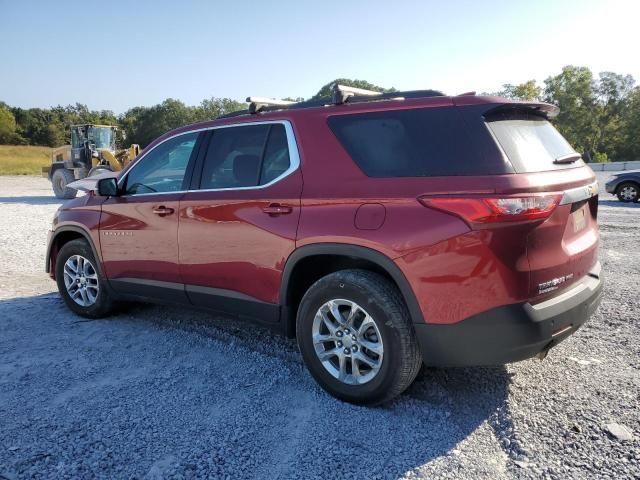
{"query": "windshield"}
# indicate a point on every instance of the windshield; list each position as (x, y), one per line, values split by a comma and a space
(102, 137)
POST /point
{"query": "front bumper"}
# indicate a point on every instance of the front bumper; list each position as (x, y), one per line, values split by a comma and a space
(512, 332)
(47, 265)
(610, 187)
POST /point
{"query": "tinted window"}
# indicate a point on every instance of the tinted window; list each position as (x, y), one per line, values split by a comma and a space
(416, 143)
(276, 156)
(245, 156)
(530, 142)
(163, 168)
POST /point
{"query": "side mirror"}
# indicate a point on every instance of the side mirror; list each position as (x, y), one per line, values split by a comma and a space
(108, 187)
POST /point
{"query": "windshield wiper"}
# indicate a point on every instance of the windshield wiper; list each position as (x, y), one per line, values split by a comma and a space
(568, 158)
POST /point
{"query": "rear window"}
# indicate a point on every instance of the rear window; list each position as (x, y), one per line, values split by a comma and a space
(245, 156)
(530, 142)
(419, 143)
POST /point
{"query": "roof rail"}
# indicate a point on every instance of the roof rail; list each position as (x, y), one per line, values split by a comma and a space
(256, 104)
(342, 93)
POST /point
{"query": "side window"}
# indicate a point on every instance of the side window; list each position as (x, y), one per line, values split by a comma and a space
(276, 156)
(76, 141)
(245, 156)
(163, 169)
(233, 157)
(436, 141)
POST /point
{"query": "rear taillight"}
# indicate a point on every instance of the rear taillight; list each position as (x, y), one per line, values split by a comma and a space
(496, 209)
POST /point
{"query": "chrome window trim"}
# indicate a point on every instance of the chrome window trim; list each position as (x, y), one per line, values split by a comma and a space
(292, 144)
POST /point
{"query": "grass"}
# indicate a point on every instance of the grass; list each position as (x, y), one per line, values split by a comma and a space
(23, 159)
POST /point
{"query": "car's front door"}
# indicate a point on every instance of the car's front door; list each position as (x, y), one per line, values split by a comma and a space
(139, 227)
(238, 223)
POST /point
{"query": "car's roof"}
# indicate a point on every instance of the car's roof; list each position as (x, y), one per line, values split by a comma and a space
(359, 107)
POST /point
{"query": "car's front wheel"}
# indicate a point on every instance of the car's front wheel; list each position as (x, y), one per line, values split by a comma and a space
(80, 283)
(356, 337)
(628, 192)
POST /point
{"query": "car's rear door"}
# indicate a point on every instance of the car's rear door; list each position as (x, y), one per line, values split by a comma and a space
(238, 222)
(139, 228)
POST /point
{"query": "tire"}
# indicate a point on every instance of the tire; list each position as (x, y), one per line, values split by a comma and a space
(59, 180)
(628, 192)
(99, 301)
(399, 359)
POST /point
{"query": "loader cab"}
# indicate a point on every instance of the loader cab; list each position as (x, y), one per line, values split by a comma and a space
(87, 139)
(92, 151)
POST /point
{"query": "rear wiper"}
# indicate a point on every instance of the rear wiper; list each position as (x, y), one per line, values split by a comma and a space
(568, 158)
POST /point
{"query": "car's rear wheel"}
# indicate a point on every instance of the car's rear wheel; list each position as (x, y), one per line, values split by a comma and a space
(628, 192)
(356, 337)
(80, 283)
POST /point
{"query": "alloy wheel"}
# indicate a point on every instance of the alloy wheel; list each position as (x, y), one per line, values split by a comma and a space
(347, 342)
(81, 280)
(628, 193)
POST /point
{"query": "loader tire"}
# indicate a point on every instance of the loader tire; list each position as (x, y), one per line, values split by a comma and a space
(59, 180)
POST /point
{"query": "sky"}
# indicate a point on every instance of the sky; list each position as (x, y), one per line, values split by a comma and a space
(116, 54)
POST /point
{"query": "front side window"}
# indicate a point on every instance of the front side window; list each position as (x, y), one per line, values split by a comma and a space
(162, 169)
(245, 156)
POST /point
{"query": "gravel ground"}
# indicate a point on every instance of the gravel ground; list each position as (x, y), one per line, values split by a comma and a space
(158, 392)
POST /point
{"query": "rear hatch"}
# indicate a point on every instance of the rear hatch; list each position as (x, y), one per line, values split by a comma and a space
(563, 248)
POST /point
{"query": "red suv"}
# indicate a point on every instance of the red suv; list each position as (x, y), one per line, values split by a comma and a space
(382, 231)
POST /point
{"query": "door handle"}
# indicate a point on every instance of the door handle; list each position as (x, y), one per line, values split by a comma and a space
(276, 209)
(162, 211)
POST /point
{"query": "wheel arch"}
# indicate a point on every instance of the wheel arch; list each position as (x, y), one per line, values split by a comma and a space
(63, 235)
(309, 263)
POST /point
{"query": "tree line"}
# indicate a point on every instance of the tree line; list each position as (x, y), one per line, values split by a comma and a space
(50, 127)
(599, 116)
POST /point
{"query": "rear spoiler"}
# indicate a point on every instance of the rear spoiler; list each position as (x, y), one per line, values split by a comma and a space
(546, 110)
(504, 105)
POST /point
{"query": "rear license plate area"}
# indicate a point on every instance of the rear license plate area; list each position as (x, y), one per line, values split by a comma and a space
(579, 216)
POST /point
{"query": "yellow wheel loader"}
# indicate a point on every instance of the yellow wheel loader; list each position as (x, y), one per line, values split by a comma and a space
(92, 151)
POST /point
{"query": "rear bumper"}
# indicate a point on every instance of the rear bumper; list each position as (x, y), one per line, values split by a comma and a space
(512, 332)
